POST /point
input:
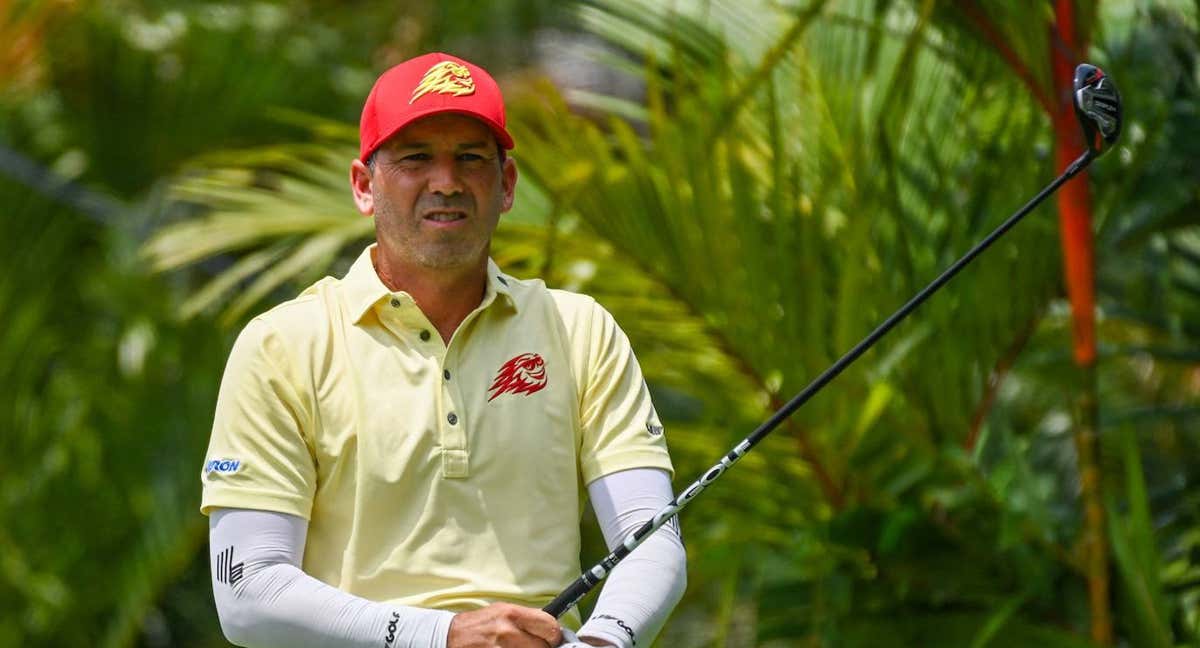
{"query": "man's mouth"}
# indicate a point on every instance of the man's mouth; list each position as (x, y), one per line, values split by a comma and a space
(444, 216)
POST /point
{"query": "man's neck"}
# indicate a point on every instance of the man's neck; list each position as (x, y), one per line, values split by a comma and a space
(446, 297)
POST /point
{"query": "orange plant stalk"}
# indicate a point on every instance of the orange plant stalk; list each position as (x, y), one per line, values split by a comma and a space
(1067, 46)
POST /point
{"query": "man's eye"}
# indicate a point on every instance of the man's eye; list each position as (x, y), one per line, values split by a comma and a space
(415, 157)
(470, 157)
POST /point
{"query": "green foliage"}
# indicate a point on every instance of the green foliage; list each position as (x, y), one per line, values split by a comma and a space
(100, 420)
(1136, 556)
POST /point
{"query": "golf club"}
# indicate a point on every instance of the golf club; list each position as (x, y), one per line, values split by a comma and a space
(1098, 109)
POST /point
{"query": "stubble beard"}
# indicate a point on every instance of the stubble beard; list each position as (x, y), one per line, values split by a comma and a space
(406, 238)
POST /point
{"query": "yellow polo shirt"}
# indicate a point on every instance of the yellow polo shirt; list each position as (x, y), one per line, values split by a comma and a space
(434, 475)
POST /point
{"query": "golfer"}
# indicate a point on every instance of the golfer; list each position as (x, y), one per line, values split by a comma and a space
(400, 457)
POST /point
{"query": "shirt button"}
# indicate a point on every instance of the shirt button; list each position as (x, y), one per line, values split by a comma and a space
(452, 418)
(395, 303)
(446, 374)
(425, 335)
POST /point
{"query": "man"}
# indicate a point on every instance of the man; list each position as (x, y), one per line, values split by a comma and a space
(400, 457)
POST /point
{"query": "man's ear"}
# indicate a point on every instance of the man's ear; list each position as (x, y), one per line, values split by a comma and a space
(508, 181)
(360, 186)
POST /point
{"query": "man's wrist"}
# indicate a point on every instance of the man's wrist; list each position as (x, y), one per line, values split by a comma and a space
(601, 637)
(597, 641)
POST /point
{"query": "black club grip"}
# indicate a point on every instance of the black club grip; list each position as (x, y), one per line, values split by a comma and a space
(568, 598)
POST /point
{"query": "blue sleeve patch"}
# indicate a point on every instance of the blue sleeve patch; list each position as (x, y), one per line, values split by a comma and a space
(222, 466)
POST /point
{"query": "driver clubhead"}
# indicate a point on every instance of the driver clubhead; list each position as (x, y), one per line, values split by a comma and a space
(1098, 108)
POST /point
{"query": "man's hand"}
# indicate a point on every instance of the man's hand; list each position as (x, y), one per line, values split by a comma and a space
(503, 625)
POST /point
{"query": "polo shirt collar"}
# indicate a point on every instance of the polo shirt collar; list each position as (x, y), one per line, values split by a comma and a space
(364, 289)
(497, 285)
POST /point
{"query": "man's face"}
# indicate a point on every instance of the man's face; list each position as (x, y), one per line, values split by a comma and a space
(437, 192)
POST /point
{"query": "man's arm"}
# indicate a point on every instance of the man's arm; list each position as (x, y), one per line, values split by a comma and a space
(265, 600)
(641, 592)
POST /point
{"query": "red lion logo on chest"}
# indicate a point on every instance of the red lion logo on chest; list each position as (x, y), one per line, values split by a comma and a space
(524, 374)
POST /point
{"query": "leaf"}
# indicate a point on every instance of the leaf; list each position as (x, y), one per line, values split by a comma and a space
(1136, 555)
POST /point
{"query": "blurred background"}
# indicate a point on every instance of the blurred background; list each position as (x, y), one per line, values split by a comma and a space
(750, 187)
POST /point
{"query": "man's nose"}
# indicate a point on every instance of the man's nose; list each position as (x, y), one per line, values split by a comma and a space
(443, 177)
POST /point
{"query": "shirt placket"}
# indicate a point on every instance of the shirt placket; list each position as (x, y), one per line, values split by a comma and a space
(410, 324)
(455, 450)
(406, 321)
(455, 456)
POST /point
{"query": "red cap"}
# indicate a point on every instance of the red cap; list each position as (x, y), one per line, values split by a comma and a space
(428, 85)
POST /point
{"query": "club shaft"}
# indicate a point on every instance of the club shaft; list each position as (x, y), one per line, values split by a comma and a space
(592, 577)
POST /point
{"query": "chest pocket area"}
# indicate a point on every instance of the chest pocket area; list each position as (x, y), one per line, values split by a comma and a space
(385, 427)
(527, 421)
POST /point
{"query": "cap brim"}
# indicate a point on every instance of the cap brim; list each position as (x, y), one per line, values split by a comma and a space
(501, 134)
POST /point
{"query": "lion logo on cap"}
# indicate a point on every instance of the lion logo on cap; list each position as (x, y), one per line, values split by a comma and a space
(446, 77)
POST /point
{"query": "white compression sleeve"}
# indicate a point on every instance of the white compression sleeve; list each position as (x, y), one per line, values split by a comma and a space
(265, 600)
(641, 591)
